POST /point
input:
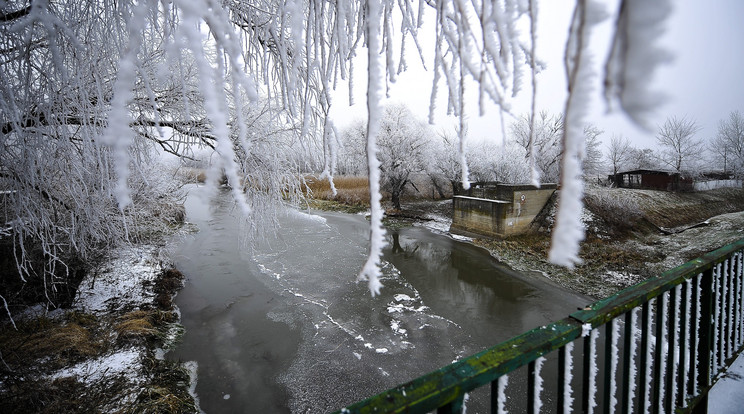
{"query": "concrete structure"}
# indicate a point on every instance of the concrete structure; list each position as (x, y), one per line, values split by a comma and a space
(498, 210)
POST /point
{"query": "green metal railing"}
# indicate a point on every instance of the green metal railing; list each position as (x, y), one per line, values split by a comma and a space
(690, 329)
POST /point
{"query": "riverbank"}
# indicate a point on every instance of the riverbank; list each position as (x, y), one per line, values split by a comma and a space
(104, 353)
(631, 235)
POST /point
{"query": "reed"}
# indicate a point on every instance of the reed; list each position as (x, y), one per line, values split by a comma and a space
(351, 190)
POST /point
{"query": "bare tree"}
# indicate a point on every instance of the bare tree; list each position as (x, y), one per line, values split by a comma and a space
(642, 159)
(679, 147)
(618, 152)
(728, 144)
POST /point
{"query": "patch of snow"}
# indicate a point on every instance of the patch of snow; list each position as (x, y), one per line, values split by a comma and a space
(123, 362)
(381, 350)
(401, 297)
(726, 397)
(192, 368)
(461, 238)
(121, 282)
(294, 213)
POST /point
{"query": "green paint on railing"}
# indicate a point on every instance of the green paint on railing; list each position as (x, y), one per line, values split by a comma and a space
(445, 387)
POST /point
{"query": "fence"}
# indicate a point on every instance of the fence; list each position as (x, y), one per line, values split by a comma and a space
(658, 346)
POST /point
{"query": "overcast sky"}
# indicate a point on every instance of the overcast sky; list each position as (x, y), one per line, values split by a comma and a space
(704, 82)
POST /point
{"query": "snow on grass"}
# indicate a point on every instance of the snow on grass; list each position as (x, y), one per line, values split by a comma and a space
(124, 362)
(120, 282)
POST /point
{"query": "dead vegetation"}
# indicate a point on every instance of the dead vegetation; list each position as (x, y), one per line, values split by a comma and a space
(34, 355)
(350, 190)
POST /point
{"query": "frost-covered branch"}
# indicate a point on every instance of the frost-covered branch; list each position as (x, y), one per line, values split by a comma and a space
(569, 230)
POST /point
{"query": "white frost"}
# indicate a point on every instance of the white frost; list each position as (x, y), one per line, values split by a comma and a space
(614, 357)
(567, 377)
(635, 56)
(538, 383)
(593, 370)
(371, 270)
(501, 393)
(569, 230)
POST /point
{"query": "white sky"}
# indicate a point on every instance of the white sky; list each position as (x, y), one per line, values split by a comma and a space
(705, 82)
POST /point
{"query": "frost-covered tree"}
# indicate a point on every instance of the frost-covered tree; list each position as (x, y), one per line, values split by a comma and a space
(93, 81)
(679, 148)
(502, 163)
(592, 160)
(540, 136)
(728, 144)
(618, 153)
(352, 155)
(401, 146)
(443, 167)
(643, 159)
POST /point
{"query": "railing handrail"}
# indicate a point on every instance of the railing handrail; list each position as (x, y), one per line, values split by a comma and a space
(447, 385)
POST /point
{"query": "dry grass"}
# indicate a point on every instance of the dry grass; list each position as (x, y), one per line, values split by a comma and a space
(63, 342)
(136, 324)
(167, 391)
(145, 324)
(350, 190)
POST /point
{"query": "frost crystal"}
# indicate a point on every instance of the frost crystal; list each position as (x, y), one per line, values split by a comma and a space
(586, 329)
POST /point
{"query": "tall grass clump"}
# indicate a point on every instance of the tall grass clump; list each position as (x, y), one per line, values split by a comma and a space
(620, 212)
(351, 190)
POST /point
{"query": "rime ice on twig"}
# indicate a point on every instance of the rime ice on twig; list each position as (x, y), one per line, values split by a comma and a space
(635, 56)
(569, 230)
(371, 270)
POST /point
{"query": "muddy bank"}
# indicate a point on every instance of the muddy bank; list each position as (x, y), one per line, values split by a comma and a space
(105, 352)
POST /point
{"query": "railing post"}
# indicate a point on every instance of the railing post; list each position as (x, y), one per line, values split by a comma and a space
(707, 300)
(455, 407)
(586, 373)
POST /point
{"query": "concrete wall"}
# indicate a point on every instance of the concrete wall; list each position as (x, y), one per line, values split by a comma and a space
(501, 210)
(479, 215)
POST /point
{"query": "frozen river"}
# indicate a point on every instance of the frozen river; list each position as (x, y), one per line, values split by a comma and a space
(284, 327)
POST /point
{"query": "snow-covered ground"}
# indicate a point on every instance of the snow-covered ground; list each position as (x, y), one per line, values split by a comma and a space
(727, 396)
(121, 282)
(123, 285)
